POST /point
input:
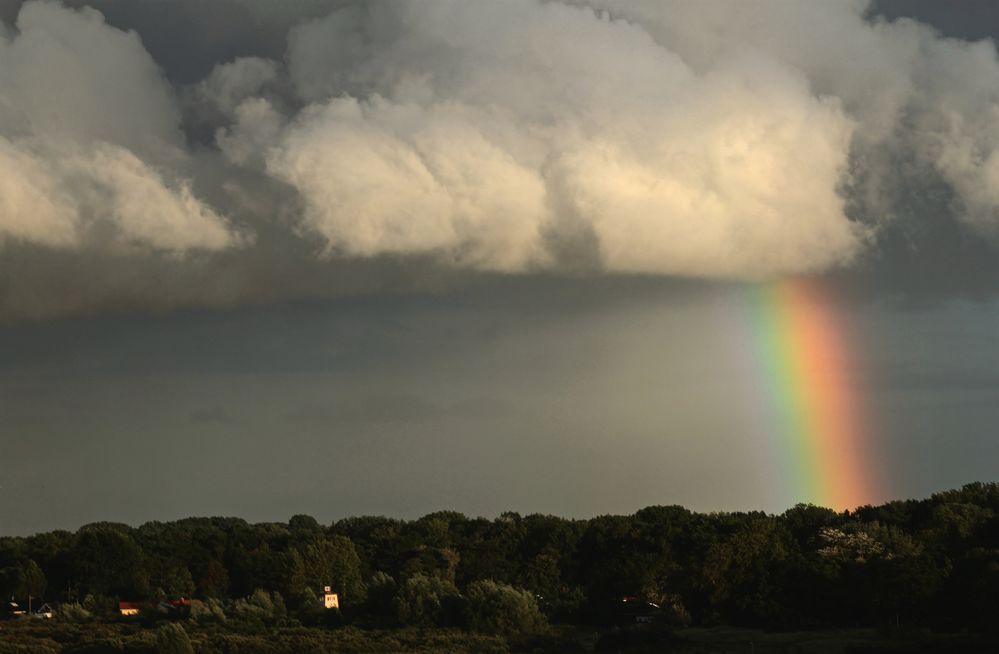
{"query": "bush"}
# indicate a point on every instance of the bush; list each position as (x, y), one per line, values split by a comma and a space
(74, 612)
(426, 600)
(381, 594)
(260, 610)
(101, 606)
(207, 612)
(172, 639)
(313, 614)
(502, 610)
(567, 605)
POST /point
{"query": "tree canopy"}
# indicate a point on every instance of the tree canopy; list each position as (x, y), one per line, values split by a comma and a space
(933, 561)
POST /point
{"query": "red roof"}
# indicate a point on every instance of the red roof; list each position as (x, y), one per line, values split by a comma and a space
(124, 606)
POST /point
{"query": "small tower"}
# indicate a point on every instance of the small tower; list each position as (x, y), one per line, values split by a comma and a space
(330, 599)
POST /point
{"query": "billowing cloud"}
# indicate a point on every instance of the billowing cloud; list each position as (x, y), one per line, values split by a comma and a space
(703, 140)
(89, 136)
(379, 178)
(914, 94)
(486, 134)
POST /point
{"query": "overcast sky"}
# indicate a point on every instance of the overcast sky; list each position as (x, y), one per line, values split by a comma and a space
(342, 258)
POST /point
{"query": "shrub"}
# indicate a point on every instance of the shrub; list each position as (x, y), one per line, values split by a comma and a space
(74, 612)
(101, 606)
(499, 609)
(313, 614)
(260, 610)
(172, 639)
(426, 600)
(207, 612)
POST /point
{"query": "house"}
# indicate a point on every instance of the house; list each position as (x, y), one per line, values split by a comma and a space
(129, 608)
(638, 611)
(32, 607)
(43, 611)
(329, 599)
(12, 608)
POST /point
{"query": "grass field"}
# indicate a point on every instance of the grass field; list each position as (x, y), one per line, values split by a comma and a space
(34, 637)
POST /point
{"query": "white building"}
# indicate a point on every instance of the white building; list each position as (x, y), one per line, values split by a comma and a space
(330, 599)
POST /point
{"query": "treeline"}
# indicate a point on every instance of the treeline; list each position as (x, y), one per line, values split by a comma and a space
(932, 563)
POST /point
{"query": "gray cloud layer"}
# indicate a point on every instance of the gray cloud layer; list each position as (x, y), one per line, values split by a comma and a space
(336, 146)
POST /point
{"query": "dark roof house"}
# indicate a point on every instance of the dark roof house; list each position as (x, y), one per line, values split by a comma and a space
(34, 607)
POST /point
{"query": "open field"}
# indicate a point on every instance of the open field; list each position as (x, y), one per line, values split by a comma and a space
(34, 637)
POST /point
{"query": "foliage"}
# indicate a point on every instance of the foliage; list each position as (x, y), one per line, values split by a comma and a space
(424, 600)
(215, 580)
(260, 610)
(172, 639)
(744, 572)
(74, 612)
(332, 562)
(440, 562)
(110, 562)
(932, 562)
(496, 608)
(171, 578)
(100, 605)
(207, 611)
(381, 594)
(33, 580)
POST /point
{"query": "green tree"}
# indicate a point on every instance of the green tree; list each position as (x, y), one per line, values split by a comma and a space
(503, 610)
(381, 594)
(621, 556)
(440, 562)
(379, 541)
(304, 524)
(172, 578)
(11, 580)
(426, 600)
(215, 581)
(745, 574)
(108, 561)
(901, 580)
(33, 580)
(332, 562)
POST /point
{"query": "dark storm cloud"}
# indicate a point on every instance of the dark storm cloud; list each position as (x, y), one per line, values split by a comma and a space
(187, 38)
(380, 408)
(246, 151)
(466, 400)
(925, 252)
(950, 379)
(374, 407)
(971, 20)
(210, 414)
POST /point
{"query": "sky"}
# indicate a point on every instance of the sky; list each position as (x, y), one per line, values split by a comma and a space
(344, 258)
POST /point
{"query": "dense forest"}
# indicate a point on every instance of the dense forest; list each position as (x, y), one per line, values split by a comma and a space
(931, 564)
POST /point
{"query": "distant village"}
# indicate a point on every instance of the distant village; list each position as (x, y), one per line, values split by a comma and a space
(41, 609)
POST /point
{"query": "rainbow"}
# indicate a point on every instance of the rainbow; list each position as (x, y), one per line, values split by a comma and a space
(802, 353)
